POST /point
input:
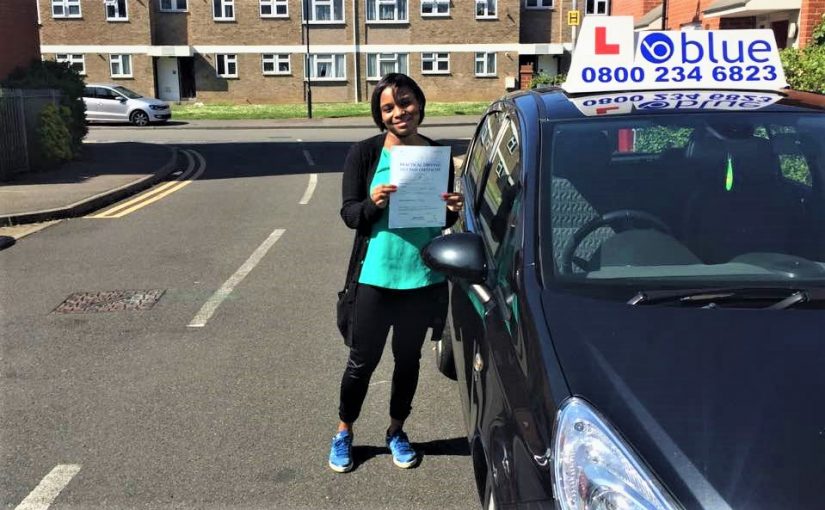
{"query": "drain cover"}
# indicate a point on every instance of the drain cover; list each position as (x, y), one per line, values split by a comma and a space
(109, 301)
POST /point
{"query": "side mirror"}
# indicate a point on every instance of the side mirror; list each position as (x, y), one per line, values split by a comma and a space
(458, 255)
(122, 99)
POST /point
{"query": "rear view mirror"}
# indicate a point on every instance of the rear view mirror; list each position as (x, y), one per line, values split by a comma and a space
(458, 255)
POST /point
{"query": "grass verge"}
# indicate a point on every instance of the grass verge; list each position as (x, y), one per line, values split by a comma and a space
(298, 111)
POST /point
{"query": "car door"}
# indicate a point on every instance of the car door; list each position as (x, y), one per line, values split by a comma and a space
(92, 103)
(112, 105)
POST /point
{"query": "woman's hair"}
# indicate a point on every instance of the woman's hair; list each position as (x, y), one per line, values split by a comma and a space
(396, 81)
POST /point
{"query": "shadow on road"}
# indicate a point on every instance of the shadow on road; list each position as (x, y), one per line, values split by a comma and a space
(456, 446)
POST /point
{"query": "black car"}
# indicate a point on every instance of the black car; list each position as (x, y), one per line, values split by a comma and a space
(638, 300)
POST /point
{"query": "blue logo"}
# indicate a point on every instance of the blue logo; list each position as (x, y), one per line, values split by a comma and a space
(657, 48)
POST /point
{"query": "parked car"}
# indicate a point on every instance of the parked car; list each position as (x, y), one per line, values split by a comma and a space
(106, 102)
(638, 296)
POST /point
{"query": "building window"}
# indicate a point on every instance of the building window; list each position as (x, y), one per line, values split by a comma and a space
(116, 10)
(328, 66)
(435, 7)
(597, 7)
(120, 66)
(173, 5)
(223, 10)
(381, 64)
(486, 9)
(226, 66)
(538, 4)
(324, 11)
(435, 63)
(387, 10)
(275, 63)
(66, 8)
(485, 64)
(274, 9)
(75, 60)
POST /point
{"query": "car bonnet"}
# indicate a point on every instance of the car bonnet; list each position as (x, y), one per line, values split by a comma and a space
(726, 405)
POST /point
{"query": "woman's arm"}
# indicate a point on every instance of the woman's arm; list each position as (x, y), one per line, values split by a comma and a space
(358, 210)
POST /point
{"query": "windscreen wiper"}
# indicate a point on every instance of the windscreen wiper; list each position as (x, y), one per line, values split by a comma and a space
(782, 297)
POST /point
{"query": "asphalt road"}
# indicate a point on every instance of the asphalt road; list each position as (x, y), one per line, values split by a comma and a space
(138, 409)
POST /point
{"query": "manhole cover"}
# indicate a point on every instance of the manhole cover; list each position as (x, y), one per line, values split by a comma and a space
(109, 301)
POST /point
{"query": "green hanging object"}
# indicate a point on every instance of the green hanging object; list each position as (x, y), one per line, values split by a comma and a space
(729, 176)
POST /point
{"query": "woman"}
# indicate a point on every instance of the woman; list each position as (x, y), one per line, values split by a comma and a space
(394, 287)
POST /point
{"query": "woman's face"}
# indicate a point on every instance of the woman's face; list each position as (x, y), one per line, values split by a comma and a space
(400, 111)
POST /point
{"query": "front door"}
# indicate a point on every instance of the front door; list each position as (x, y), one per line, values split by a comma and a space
(168, 79)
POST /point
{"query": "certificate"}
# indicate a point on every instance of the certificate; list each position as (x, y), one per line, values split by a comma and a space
(421, 174)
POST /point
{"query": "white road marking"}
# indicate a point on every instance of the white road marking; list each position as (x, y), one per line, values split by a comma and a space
(308, 157)
(313, 181)
(48, 489)
(226, 289)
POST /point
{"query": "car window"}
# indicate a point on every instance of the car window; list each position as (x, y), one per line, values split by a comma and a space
(501, 185)
(104, 93)
(478, 157)
(89, 92)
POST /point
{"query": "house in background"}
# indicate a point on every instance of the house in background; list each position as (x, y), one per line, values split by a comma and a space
(256, 50)
(792, 21)
(19, 36)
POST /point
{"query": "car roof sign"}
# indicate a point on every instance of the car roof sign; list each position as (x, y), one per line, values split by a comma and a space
(622, 103)
(611, 57)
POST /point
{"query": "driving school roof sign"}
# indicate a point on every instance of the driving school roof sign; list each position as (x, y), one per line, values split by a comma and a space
(610, 57)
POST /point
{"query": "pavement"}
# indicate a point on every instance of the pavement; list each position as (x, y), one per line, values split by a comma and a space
(107, 173)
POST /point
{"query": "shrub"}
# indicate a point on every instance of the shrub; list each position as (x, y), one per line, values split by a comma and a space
(544, 79)
(53, 137)
(805, 68)
(54, 75)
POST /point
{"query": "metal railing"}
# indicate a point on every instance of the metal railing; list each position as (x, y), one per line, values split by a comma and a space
(19, 113)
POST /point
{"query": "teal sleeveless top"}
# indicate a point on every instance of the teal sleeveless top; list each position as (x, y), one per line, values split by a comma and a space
(393, 258)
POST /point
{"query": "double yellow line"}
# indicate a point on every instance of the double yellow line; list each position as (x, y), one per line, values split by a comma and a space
(195, 167)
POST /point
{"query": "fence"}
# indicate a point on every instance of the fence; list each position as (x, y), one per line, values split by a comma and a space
(19, 113)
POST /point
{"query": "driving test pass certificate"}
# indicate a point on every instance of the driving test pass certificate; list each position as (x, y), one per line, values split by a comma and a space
(421, 174)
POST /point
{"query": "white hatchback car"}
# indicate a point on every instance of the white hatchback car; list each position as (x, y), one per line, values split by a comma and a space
(107, 102)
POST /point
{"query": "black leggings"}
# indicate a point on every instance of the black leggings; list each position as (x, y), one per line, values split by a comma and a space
(377, 309)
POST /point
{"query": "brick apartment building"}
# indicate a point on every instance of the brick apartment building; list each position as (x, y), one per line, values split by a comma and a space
(255, 50)
(19, 37)
(792, 21)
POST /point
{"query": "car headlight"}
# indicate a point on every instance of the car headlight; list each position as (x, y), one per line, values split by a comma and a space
(158, 107)
(595, 470)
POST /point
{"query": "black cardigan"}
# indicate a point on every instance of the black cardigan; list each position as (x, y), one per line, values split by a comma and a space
(359, 212)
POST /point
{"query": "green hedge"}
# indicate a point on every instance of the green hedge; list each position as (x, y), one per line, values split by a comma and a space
(53, 75)
(54, 139)
(805, 68)
(545, 79)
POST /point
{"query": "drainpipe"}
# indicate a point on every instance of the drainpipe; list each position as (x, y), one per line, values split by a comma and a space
(664, 14)
(575, 31)
(356, 56)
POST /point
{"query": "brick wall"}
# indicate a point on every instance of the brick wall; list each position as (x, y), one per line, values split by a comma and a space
(683, 12)
(99, 71)
(92, 28)
(635, 8)
(19, 38)
(809, 17)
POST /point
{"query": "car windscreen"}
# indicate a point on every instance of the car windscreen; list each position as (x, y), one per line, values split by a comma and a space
(128, 93)
(689, 200)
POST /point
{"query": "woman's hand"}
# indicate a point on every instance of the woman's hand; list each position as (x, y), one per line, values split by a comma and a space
(455, 201)
(380, 194)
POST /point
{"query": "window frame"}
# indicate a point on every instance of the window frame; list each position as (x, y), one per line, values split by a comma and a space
(435, 59)
(486, 9)
(483, 56)
(397, 59)
(120, 18)
(376, 4)
(68, 58)
(227, 59)
(174, 6)
(224, 4)
(435, 3)
(65, 5)
(274, 4)
(120, 57)
(540, 4)
(313, 60)
(275, 59)
(596, 3)
(313, 4)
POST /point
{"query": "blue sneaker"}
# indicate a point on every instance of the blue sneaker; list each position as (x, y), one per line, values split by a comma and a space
(340, 455)
(403, 454)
